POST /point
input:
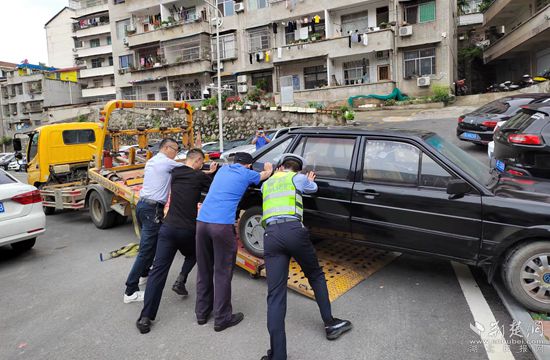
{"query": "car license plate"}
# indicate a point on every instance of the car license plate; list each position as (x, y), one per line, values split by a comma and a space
(1, 208)
(470, 136)
(500, 166)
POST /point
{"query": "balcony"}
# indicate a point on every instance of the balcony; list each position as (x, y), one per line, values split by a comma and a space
(154, 73)
(335, 47)
(504, 11)
(93, 51)
(84, 8)
(93, 30)
(98, 91)
(100, 71)
(526, 37)
(168, 33)
(423, 33)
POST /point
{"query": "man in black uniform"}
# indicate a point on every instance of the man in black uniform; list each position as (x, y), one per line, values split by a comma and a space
(176, 233)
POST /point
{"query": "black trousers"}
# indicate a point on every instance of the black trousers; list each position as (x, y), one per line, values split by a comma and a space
(170, 240)
(216, 255)
(281, 242)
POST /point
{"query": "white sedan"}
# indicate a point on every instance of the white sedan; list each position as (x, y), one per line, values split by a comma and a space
(21, 216)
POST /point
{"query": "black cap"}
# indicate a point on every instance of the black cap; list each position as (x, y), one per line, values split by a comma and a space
(243, 158)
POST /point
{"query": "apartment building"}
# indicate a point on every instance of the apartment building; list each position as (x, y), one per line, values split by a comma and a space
(299, 50)
(517, 37)
(30, 89)
(5, 67)
(59, 30)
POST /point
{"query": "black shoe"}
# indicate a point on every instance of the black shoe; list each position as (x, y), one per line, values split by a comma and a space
(265, 357)
(179, 288)
(144, 325)
(235, 319)
(336, 328)
(202, 321)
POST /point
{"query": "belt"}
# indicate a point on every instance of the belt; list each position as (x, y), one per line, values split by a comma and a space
(151, 202)
(282, 221)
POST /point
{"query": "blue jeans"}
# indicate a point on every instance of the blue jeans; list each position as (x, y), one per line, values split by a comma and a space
(146, 214)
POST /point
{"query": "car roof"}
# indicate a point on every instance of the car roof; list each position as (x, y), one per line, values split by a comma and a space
(529, 95)
(541, 107)
(363, 130)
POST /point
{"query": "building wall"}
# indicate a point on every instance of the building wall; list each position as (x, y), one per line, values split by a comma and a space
(59, 41)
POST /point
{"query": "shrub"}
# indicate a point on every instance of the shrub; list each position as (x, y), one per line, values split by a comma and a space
(213, 101)
(255, 95)
(389, 102)
(316, 105)
(440, 93)
(232, 100)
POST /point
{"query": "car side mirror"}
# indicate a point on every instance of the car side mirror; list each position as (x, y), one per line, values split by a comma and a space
(18, 156)
(17, 144)
(456, 188)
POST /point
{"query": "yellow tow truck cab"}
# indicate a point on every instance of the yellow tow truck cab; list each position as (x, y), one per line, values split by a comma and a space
(61, 153)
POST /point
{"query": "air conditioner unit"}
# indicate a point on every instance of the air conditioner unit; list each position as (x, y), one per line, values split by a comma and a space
(130, 28)
(125, 40)
(381, 55)
(241, 79)
(423, 81)
(406, 30)
(215, 67)
(242, 88)
(239, 7)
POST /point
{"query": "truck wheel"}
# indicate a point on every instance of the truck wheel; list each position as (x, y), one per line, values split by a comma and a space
(48, 210)
(251, 231)
(24, 245)
(526, 273)
(102, 218)
(120, 219)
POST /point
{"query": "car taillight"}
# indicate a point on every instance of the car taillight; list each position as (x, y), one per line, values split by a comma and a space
(525, 139)
(30, 197)
(461, 119)
(515, 172)
(489, 123)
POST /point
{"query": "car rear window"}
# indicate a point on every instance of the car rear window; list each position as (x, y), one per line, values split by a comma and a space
(494, 107)
(521, 120)
(5, 178)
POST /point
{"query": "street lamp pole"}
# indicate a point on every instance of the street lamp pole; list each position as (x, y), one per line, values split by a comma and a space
(218, 65)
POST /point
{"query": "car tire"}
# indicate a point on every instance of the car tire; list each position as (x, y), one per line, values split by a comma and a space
(532, 258)
(101, 217)
(251, 231)
(48, 210)
(24, 245)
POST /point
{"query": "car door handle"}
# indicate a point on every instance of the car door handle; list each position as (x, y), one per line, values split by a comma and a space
(368, 192)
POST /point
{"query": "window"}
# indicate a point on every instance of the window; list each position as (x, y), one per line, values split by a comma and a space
(356, 72)
(420, 13)
(328, 157)
(110, 61)
(72, 137)
(163, 93)
(419, 62)
(188, 89)
(109, 40)
(383, 72)
(96, 63)
(272, 155)
(357, 21)
(258, 39)
(231, 82)
(227, 7)
(98, 83)
(33, 146)
(391, 162)
(256, 4)
(121, 28)
(151, 97)
(126, 61)
(77, 43)
(382, 15)
(432, 174)
(263, 80)
(94, 43)
(289, 35)
(315, 76)
(228, 48)
(116, 2)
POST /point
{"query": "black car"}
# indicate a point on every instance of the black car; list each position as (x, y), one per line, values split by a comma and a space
(478, 126)
(522, 144)
(413, 191)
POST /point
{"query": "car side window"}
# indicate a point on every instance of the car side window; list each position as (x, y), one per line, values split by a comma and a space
(432, 174)
(329, 157)
(391, 162)
(272, 155)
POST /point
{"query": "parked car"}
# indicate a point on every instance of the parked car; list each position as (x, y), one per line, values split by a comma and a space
(18, 165)
(5, 159)
(415, 192)
(522, 144)
(247, 145)
(478, 126)
(21, 216)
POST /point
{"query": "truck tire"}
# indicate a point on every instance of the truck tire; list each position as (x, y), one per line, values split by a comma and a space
(48, 210)
(24, 245)
(526, 274)
(101, 217)
(251, 231)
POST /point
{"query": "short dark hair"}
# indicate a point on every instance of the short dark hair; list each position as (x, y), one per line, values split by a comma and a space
(195, 153)
(167, 141)
(292, 165)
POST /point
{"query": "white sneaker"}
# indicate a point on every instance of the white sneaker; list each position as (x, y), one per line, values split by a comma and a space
(135, 297)
(142, 281)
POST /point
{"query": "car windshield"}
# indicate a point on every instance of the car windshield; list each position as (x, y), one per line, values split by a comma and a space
(459, 157)
(494, 107)
(212, 147)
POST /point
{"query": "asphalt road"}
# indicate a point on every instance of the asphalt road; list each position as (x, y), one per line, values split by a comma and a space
(59, 301)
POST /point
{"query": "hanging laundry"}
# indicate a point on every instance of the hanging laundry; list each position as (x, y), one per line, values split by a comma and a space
(359, 38)
(261, 55)
(279, 53)
(296, 35)
(267, 56)
(304, 33)
(257, 57)
(349, 40)
(365, 40)
(250, 58)
(306, 20)
(316, 19)
(274, 28)
(354, 37)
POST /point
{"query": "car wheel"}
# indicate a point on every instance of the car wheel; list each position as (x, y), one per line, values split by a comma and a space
(48, 210)
(24, 245)
(526, 273)
(251, 231)
(101, 218)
